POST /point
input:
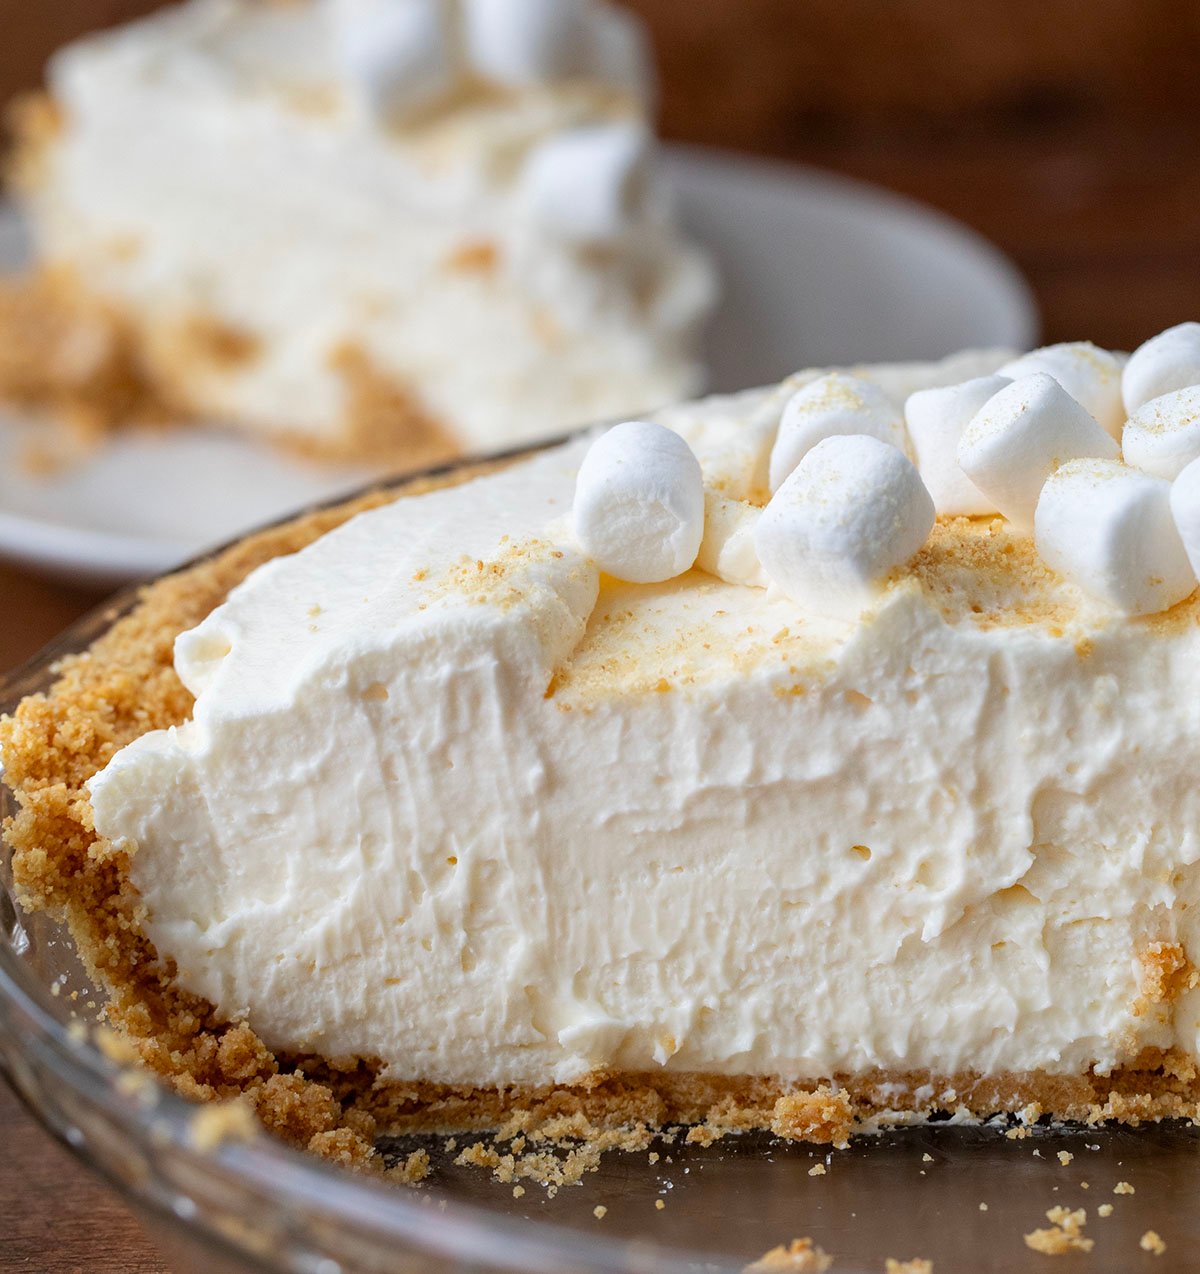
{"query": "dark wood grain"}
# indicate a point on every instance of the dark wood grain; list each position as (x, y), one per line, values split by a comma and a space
(55, 1217)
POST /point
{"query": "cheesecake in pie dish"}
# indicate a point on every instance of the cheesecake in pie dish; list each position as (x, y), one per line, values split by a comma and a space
(374, 229)
(720, 768)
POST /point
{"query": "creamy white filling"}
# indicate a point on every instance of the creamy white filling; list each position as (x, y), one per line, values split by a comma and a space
(212, 166)
(452, 801)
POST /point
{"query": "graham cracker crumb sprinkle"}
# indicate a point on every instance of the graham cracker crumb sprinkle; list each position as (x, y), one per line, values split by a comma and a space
(1105, 1210)
(1150, 1242)
(479, 256)
(817, 1170)
(801, 1256)
(1123, 1187)
(1065, 1234)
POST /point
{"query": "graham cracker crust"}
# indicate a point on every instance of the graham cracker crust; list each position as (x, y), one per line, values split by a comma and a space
(125, 685)
(80, 359)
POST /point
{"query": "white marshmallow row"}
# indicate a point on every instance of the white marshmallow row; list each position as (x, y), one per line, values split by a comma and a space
(849, 506)
(400, 56)
(851, 511)
(587, 185)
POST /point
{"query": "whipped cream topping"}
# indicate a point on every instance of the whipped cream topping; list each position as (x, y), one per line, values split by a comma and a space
(452, 800)
(218, 164)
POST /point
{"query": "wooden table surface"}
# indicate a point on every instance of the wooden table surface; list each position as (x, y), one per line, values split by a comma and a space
(1103, 217)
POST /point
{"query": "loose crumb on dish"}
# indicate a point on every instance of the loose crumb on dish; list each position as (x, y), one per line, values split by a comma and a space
(1064, 1235)
(1123, 1187)
(215, 1124)
(917, 1265)
(599, 1212)
(1105, 1210)
(1150, 1242)
(414, 1169)
(801, 1256)
(817, 1170)
(1065, 1157)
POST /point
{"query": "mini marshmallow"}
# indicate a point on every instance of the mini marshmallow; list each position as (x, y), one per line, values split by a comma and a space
(1163, 436)
(936, 419)
(1020, 436)
(1185, 508)
(398, 57)
(639, 503)
(517, 42)
(589, 185)
(1091, 375)
(832, 405)
(1108, 528)
(851, 511)
(727, 550)
(1166, 362)
(619, 53)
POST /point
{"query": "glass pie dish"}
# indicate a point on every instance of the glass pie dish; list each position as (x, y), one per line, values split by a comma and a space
(960, 1196)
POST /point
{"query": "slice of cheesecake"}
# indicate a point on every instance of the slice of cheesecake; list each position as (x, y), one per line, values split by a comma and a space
(472, 825)
(370, 228)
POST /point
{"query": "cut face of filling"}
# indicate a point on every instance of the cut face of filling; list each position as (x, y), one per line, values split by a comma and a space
(471, 823)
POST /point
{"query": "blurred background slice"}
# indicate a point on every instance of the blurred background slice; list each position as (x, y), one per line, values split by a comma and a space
(379, 233)
(1067, 133)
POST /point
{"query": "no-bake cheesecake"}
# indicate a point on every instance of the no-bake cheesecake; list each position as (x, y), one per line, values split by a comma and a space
(397, 229)
(715, 769)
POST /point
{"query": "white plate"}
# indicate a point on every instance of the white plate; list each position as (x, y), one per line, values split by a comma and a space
(815, 269)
